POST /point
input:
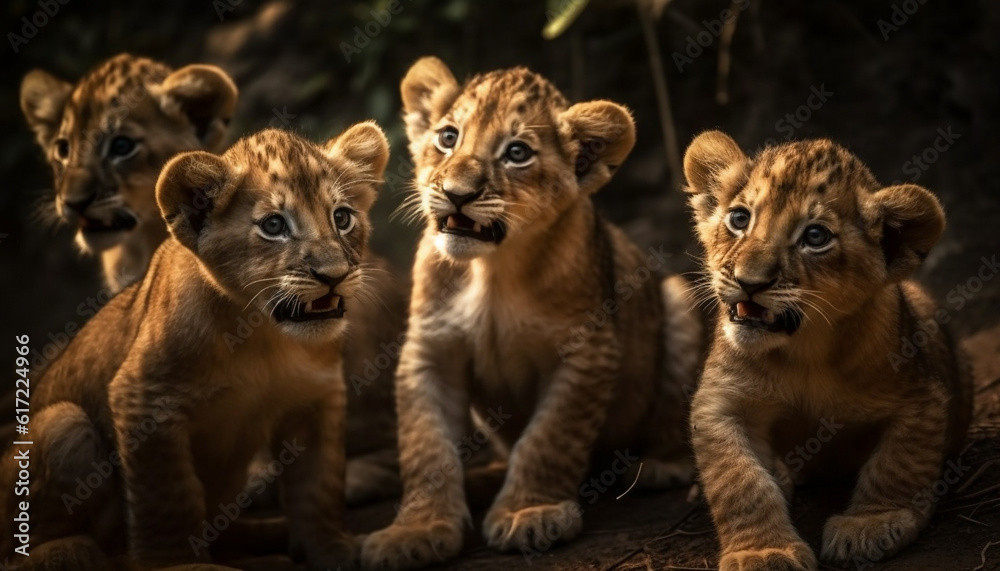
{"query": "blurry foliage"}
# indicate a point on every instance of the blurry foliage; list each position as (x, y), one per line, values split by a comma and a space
(287, 58)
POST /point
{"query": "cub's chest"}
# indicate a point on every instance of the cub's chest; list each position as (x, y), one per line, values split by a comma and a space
(511, 336)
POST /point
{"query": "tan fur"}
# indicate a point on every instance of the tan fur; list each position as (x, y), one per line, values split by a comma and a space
(156, 378)
(763, 393)
(164, 111)
(492, 324)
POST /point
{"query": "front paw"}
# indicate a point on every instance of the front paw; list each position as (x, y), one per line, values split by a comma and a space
(792, 557)
(409, 546)
(868, 537)
(535, 527)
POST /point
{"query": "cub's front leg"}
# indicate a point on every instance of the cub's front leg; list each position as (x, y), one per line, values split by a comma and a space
(433, 407)
(538, 501)
(310, 447)
(165, 498)
(735, 462)
(892, 500)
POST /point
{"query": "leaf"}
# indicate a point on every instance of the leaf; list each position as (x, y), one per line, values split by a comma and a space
(560, 14)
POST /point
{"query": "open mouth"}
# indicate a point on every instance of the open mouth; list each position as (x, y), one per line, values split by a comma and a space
(750, 314)
(461, 225)
(120, 222)
(330, 306)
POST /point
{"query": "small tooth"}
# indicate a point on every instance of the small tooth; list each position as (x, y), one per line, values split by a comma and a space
(452, 223)
(768, 316)
(335, 302)
(741, 309)
(477, 227)
(309, 307)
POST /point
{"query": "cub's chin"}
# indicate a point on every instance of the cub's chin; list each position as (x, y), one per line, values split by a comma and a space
(97, 241)
(462, 248)
(315, 330)
(754, 340)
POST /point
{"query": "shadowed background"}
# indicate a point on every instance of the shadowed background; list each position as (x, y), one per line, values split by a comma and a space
(889, 90)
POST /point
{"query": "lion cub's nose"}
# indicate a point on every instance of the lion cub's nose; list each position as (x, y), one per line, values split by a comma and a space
(754, 287)
(332, 281)
(460, 198)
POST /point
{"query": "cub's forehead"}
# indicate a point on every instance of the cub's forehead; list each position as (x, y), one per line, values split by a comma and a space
(108, 94)
(277, 160)
(515, 95)
(806, 173)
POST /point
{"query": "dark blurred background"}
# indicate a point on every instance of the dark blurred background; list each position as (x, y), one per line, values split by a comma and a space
(888, 86)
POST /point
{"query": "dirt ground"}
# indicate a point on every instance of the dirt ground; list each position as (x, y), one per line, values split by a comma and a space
(666, 531)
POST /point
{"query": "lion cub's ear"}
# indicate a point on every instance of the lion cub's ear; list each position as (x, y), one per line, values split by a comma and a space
(206, 96)
(367, 148)
(43, 97)
(708, 159)
(191, 186)
(605, 133)
(426, 90)
(907, 220)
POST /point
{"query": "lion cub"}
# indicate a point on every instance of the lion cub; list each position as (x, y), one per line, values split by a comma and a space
(809, 258)
(530, 308)
(108, 136)
(276, 225)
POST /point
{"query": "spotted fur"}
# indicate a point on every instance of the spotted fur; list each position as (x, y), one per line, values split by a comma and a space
(130, 104)
(494, 324)
(846, 303)
(169, 392)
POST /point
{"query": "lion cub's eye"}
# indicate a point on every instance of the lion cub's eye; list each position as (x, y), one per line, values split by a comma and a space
(816, 236)
(62, 148)
(446, 139)
(273, 225)
(518, 153)
(344, 219)
(121, 146)
(738, 220)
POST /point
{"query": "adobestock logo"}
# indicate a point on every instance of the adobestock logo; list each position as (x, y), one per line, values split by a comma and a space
(30, 27)
(794, 120)
(695, 44)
